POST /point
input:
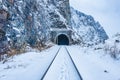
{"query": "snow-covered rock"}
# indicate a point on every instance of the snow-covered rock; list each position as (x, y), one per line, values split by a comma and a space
(32, 19)
(29, 22)
(87, 28)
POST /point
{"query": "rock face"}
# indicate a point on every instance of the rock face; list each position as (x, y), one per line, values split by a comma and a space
(29, 22)
(86, 28)
(64, 8)
(3, 38)
(59, 13)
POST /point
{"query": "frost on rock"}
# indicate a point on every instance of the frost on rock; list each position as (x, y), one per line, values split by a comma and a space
(87, 28)
(29, 23)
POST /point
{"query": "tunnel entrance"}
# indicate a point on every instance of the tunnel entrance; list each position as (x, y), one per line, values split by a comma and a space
(62, 40)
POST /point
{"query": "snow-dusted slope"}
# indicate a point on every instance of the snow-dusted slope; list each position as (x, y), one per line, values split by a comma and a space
(87, 28)
(112, 46)
(94, 64)
(28, 66)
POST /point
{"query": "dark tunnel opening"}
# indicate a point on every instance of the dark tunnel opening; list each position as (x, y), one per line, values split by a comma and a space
(62, 40)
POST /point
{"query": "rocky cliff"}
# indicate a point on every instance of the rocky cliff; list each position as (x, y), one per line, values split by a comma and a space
(86, 29)
(27, 22)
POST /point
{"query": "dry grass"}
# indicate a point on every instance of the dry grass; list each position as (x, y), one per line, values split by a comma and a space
(114, 51)
(13, 51)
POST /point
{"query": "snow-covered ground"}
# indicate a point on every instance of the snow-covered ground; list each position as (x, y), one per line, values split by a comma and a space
(28, 66)
(95, 64)
(92, 65)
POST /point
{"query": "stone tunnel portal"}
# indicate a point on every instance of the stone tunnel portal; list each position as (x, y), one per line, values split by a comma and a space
(62, 39)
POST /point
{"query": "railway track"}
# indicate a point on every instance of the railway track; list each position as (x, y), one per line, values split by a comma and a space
(74, 64)
(62, 67)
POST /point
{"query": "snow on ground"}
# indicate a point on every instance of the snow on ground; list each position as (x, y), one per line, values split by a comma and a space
(28, 66)
(62, 68)
(94, 64)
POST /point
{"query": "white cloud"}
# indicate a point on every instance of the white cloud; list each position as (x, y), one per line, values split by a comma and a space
(107, 12)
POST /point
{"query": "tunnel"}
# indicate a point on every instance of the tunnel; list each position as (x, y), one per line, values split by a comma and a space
(62, 40)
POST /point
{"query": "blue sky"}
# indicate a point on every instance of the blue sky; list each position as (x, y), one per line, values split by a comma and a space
(107, 12)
